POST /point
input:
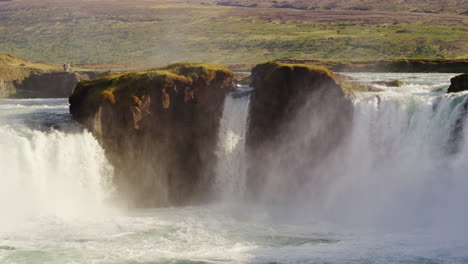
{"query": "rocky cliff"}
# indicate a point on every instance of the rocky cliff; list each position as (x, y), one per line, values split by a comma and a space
(158, 127)
(20, 78)
(53, 84)
(458, 83)
(295, 110)
(14, 69)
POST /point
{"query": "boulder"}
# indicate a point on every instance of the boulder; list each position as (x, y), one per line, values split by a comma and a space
(159, 128)
(393, 83)
(458, 83)
(298, 115)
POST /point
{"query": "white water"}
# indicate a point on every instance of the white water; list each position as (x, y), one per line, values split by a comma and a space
(231, 169)
(401, 169)
(46, 172)
(396, 195)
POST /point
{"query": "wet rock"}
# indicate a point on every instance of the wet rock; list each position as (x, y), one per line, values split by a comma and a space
(458, 83)
(159, 128)
(298, 115)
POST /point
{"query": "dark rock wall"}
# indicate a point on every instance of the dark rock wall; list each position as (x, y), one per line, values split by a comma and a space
(298, 116)
(458, 83)
(53, 84)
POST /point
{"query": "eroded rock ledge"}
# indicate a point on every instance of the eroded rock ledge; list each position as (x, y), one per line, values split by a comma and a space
(159, 128)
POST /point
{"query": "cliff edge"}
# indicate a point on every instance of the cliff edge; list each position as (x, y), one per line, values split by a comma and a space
(159, 128)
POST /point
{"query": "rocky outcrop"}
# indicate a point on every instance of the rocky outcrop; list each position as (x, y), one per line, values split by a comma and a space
(53, 84)
(14, 69)
(458, 83)
(158, 127)
(20, 78)
(295, 110)
(393, 83)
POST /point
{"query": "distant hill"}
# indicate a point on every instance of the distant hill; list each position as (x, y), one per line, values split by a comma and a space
(419, 6)
(159, 32)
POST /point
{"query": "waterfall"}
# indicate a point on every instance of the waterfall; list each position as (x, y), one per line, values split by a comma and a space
(402, 165)
(395, 170)
(231, 168)
(46, 172)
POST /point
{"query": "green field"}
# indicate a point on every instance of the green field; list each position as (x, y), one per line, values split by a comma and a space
(159, 33)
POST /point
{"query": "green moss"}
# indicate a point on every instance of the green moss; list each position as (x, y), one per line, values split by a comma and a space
(270, 68)
(130, 86)
(348, 86)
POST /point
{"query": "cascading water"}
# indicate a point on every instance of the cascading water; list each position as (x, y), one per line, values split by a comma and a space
(46, 172)
(402, 168)
(397, 169)
(231, 168)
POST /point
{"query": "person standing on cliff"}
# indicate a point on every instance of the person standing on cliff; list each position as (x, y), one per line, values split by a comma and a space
(67, 66)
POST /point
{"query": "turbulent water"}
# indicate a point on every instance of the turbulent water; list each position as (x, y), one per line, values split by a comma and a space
(396, 191)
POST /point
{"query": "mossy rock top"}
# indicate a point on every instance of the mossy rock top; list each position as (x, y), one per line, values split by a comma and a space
(269, 69)
(123, 86)
(273, 67)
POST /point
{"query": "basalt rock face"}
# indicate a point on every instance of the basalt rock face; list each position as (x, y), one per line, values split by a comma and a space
(458, 83)
(53, 84)
(159, 128)
(298, 116)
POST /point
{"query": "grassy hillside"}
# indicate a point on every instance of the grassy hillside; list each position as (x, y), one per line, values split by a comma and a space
(161, 32)
(13, 67)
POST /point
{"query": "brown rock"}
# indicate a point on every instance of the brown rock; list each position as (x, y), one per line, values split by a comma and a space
(159, 130)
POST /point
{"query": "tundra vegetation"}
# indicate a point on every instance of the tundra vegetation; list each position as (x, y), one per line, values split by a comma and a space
(147, 32)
